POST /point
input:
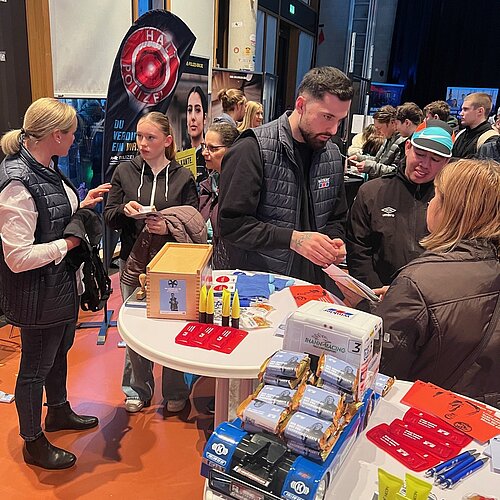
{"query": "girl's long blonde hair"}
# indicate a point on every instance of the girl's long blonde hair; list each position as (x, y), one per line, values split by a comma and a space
(251, 109)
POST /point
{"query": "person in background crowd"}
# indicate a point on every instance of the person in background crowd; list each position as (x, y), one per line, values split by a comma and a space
(437, 110)
(220, 136)
(254, 116)
(442, 311)
(408, 117)
(196, 117)
(153, 178)
(388, 156)
(367, 142)
(387, 218)
(475, 111)
(233, 106)
(492, 148)
(282, 202)
(38, 286)
(440, 110)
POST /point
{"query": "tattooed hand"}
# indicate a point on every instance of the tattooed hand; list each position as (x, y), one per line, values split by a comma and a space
(318, 248)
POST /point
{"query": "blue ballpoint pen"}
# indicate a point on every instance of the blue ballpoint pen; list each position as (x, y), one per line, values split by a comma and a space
(449, 463)
(451, 481)
(440, 478)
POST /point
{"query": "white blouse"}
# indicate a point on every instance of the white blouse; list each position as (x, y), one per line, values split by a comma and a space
(18, 219)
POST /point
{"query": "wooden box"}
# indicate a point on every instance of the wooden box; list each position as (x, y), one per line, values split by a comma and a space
(174, 278)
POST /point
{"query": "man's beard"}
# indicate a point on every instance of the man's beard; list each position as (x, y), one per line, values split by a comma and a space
(312, 140)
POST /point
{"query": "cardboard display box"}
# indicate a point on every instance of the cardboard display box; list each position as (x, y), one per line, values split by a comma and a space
(174, 278)
(348, 334)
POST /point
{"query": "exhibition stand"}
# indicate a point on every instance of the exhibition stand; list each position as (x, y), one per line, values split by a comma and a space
(358, 476)
(155, 340)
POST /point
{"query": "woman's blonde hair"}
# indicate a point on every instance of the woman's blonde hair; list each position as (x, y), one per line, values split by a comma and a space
(470, 204)
(41, 119)
(230, 98)
(251, 109)
(161, 121)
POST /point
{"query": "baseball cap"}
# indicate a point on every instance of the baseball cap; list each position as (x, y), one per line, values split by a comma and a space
(435, 136)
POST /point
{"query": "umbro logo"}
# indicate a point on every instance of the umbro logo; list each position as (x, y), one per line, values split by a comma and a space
(388, 212)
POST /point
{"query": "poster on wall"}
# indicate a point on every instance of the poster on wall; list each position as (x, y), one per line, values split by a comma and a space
(188, 113)
(146, 72)
(250, 83)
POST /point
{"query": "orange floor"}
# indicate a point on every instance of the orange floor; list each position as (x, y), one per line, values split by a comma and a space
(147, 455)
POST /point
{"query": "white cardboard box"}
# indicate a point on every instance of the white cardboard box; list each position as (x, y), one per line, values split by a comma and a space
(348, 334)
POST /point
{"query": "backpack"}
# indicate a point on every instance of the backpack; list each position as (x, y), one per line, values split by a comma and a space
(96, 281)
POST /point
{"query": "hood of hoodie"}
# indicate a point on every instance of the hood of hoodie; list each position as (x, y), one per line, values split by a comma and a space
(145, 172)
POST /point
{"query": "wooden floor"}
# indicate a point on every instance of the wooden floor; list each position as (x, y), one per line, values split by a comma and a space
(147, 455)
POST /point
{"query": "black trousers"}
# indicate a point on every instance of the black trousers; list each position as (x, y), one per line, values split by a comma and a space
(43, 363)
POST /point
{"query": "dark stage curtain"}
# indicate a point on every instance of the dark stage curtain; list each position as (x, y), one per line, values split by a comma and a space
(443, 43)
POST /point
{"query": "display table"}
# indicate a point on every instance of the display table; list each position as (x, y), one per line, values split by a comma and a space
(358, 477)
(155, 340)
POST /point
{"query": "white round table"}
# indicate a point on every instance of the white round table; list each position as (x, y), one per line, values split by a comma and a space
(155, 340)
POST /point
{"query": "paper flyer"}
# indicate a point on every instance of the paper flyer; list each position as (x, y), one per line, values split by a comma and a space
(356, 286)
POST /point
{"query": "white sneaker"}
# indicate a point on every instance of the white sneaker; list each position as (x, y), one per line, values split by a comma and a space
(134, 405)
(176, 405)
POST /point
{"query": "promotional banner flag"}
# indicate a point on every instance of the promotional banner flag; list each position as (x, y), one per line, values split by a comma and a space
(146, 71)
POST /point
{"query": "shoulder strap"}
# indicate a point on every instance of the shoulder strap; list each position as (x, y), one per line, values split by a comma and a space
(467, 363)
(484, 137)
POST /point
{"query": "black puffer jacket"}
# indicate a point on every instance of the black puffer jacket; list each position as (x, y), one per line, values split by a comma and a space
(437, 312)
(45, 296)
(385, 224)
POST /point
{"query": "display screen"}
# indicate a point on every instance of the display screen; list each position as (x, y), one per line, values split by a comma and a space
(382, 94)
(455, 96)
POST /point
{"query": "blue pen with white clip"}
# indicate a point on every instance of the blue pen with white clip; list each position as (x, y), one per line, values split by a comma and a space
(441, 478)
(449, 463)
(451, 481)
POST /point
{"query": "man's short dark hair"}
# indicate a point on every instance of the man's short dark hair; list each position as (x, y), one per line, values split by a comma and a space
(409, 111)
(439, 108)
(385, 114)
(318, 81)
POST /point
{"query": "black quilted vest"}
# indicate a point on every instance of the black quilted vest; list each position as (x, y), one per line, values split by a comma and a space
(280, 200)
(46, 296)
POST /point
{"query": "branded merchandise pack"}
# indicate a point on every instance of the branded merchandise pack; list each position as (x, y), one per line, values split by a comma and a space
(348, 334)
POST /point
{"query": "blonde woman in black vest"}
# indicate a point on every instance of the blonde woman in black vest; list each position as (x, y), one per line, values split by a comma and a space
(38, 289)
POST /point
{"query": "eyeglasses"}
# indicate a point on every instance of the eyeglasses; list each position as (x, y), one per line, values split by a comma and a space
(211, 149)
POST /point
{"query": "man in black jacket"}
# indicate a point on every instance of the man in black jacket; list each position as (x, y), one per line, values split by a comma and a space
(475, 111)
(388, 217)
(282, 203)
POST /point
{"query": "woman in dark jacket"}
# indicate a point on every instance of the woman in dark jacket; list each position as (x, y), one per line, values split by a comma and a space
(38, 286)
(220, 136)
(442, 311)
(153, 178)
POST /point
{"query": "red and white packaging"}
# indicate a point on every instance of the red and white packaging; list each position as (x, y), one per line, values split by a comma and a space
(436, 428)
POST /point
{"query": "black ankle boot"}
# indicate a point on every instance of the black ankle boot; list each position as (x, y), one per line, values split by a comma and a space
(42, 454)
(63, 417)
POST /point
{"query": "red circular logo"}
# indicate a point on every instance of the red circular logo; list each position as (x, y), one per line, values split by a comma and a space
(149, 65)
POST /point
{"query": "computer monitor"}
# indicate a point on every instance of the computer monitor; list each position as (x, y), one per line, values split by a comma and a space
(382, 94)
(455, 96)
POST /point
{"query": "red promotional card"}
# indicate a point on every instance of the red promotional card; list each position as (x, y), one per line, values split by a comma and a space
(212, 337)
(410, 457)
(203, 336)
(304, 293)
(188, 333)
(409, 435)
(469, 416)
(435, 428)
